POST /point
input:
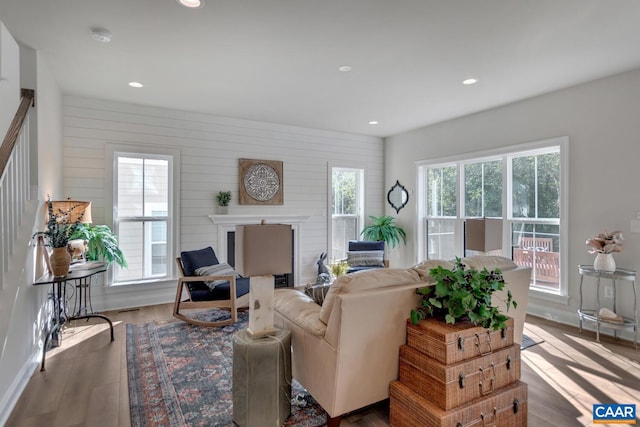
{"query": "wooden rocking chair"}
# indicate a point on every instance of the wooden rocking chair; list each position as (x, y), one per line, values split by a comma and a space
(230, 295)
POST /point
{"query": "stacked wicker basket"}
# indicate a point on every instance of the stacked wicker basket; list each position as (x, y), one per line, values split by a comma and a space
(458, 375)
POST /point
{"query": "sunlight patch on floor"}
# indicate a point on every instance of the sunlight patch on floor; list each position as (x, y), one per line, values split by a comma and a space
(78, 333)
(562, 384)
(560, 363)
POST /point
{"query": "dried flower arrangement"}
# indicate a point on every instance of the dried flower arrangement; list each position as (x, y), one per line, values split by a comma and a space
(59, 226)
(605, 243)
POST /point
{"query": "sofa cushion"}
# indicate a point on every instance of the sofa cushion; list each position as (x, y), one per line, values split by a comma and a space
(489, 262)
(423, 268)
(365, 258)
(222, 269)
(299, 309)
(365, 280)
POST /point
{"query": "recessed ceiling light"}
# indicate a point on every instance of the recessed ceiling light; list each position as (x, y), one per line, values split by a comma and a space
(101, 35)
(373, 122)
(470, 81)
(193, 4)
(344, 68)
(135, 84)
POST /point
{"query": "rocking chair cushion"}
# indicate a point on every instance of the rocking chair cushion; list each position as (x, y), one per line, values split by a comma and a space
(201, 292)
(365, 255)
(192, 260)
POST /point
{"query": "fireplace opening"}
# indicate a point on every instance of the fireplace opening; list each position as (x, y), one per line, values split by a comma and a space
(281, 280)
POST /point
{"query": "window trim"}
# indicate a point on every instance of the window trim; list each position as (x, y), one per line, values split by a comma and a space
(173, 218)
(527, 148)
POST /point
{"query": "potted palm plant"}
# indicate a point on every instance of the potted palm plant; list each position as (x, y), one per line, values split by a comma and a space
(383, 228)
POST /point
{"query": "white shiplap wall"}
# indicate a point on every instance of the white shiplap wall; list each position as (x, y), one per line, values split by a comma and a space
(209, 148)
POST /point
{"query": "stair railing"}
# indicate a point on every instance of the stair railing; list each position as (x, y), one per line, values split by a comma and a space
(14, 180)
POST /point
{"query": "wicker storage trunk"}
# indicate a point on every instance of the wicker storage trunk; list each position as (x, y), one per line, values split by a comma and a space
(507, 407)
(451, 343)
(448, 386)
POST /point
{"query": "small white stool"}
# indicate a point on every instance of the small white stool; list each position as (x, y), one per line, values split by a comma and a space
(261, 379)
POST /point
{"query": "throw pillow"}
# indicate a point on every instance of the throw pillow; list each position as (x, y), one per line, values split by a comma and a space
(222, 269)
(365, 258)
(317, 292)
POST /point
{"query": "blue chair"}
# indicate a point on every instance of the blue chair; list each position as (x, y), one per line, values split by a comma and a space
(230, 295)
(371, 256)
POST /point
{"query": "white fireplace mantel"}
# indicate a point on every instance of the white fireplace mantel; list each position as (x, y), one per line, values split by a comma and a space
(256, 219)
(227, 223)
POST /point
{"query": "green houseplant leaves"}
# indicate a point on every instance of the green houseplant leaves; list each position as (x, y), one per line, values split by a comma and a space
(102, 244)
(383, 228)
(223, 198)
(462, 293)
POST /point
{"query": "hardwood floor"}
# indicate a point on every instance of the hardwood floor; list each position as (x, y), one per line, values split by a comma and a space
(85, 382)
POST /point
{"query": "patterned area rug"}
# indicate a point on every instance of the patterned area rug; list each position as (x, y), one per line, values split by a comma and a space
(180, 375)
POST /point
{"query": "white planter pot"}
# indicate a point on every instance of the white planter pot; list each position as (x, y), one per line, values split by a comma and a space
(604, 262)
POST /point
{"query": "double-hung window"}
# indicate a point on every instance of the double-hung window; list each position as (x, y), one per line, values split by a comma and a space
(143, 214)
(522, 186)
(534, 215)
(346, 200)
(442, 211)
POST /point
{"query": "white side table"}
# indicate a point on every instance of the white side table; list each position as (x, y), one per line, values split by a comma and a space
(593, 315)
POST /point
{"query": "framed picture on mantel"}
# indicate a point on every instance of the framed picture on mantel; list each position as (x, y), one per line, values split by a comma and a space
(261, 182)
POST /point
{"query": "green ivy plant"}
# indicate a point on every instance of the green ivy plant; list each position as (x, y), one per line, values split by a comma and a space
(384, 228)
(102, 244)
(462, 293)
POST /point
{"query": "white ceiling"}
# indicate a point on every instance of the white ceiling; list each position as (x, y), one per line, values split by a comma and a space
(277, 60)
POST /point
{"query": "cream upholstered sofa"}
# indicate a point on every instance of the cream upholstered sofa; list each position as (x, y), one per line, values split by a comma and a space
(345, 352)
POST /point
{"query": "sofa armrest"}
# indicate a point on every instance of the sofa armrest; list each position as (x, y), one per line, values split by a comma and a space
(517, 281)
(300, 309)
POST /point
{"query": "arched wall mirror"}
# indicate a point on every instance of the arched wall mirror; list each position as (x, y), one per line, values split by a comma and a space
(398, 196)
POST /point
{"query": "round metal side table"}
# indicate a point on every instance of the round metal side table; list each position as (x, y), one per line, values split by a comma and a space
(593, 315)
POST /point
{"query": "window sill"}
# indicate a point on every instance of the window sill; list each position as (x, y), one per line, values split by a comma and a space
(149, 282)
(549, 297)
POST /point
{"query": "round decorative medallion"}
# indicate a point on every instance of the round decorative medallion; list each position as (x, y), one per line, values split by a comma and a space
(261, 182)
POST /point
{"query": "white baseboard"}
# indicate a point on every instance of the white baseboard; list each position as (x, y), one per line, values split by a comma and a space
(107, 298)
(13, 393)
(571, 318)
